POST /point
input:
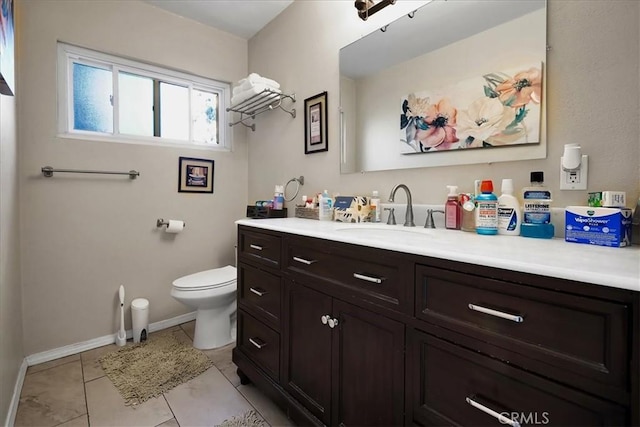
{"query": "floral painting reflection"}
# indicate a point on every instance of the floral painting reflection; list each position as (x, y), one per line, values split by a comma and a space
(496, 109)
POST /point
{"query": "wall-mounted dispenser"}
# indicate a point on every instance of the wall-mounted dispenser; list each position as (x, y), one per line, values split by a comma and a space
(573, 168)
(173, 226)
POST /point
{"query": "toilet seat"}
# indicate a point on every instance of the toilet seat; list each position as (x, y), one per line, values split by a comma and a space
(208, 279)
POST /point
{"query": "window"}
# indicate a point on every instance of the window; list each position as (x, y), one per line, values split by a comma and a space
(110, 98)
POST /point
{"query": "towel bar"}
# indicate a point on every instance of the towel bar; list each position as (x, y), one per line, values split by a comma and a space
(48, 171)
(266, 100)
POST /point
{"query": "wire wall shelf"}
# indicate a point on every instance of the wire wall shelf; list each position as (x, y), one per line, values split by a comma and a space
(266, 100)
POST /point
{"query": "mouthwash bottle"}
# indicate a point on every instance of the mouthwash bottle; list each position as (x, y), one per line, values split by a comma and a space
(509, 215)
(536, 201)
(486, 209)
(536, 219)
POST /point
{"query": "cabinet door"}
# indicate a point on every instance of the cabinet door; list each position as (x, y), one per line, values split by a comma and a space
(368, 367)
(307, 350)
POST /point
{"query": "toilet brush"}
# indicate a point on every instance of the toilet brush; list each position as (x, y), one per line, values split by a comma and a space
(121, 337)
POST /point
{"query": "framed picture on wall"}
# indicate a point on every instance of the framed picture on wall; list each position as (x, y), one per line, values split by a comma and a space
(7, 69)
(315, 124)
(195, 175)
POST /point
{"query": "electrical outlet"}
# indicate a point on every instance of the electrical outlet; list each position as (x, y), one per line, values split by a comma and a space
(574, 177)
(575, 180)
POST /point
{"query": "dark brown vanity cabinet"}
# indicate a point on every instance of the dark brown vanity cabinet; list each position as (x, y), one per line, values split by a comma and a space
(453, 385)
(522, 346)
(345, 335)
(344, 363)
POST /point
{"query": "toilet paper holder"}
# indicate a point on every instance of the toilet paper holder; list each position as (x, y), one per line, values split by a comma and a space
(160, 222)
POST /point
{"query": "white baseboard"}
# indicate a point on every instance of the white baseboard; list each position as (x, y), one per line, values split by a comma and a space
(164, 324)
(15, 400)
(68, 350)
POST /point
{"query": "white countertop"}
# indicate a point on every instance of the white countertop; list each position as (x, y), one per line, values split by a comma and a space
(613, 267)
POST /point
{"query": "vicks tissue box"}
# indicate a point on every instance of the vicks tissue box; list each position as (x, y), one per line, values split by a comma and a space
(598, 226)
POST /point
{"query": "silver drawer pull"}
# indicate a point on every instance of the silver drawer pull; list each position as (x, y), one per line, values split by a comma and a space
(259, 291)
(256, 247)
(485, 310)
(368, 278)
(498, 416)
(258, 345)
(304, 261)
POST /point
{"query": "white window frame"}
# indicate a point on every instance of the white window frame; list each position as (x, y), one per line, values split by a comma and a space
(69, 54)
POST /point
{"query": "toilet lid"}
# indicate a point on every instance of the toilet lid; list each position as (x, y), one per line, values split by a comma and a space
(207, 279)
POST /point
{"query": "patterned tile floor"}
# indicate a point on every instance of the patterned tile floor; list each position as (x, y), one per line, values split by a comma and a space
(74, 391)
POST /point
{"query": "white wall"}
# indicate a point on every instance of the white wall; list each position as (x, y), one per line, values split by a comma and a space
(11, 349)
(592, 98)
(82, 235)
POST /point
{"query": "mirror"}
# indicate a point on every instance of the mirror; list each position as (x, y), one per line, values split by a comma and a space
(441, 44)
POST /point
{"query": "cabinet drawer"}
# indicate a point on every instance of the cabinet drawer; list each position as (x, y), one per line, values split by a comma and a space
(455, 386)
(377, 276)
(259, 247)
(585, 336)
(260, 343)
(260, 293)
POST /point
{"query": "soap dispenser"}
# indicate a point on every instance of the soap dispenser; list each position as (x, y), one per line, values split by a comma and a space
(326, 207)
(452, 209)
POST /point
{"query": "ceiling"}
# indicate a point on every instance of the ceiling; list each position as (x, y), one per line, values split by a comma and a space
(243, 18)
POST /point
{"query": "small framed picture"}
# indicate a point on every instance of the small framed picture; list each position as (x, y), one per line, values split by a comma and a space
(315, 124)
(195, 175)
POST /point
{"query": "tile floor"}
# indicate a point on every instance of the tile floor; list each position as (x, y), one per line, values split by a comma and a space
(74, 391)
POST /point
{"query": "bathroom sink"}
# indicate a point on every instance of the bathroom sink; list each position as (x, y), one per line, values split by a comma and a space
(380, 231)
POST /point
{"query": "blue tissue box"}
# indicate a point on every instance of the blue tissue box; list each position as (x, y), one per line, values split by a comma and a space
(598, 226)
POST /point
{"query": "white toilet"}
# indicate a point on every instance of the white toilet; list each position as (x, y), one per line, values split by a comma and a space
(213, 294)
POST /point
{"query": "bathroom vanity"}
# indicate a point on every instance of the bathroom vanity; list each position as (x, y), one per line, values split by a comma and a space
(367, 324)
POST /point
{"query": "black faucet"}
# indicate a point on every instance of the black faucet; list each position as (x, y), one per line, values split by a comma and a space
(408, 218)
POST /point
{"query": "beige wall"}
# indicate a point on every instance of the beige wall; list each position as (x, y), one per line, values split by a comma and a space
(11, 350)
(592, 99)
(82, 235)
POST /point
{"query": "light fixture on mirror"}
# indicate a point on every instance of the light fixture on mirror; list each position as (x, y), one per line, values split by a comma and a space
(366, 8)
